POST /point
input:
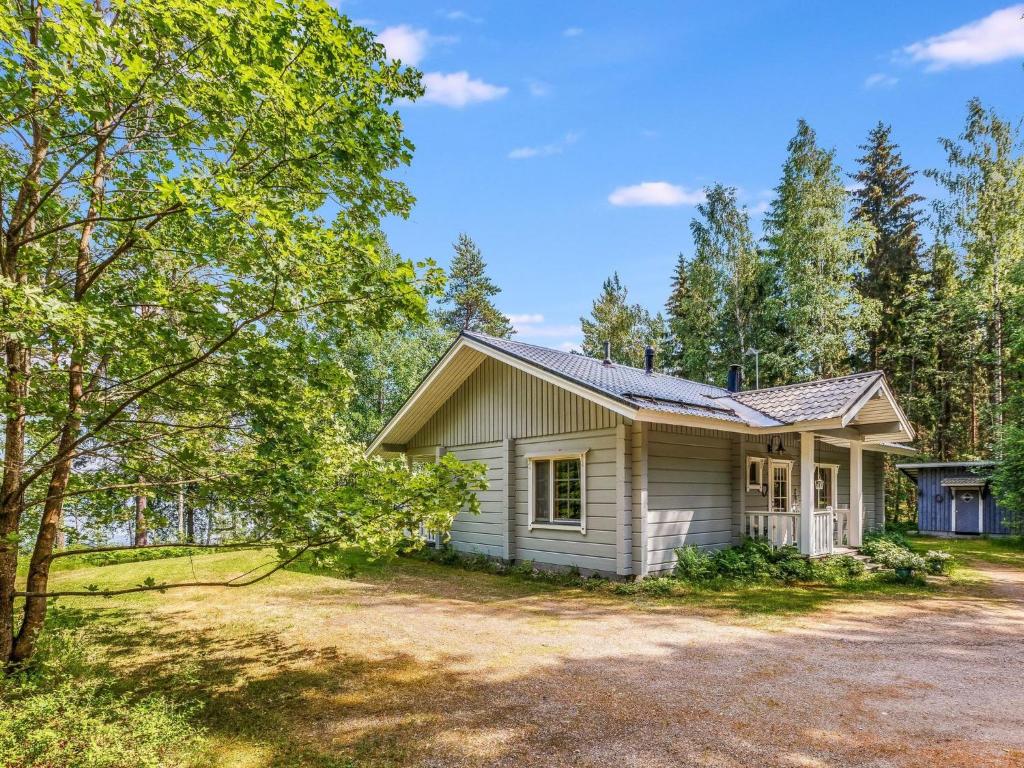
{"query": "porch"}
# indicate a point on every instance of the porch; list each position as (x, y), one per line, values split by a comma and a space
(810, 495)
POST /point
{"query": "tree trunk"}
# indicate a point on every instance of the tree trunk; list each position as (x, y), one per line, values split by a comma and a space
(141, 534)
(181, 513)
(11, 496)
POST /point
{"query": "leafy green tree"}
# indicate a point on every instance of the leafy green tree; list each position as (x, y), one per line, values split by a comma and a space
(982, 213)
(716, 308)
(468, 296)
(629, 327)
(188, 196)
(816, 257)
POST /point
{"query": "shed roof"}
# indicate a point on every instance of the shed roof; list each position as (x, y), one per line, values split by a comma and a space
(911, 470)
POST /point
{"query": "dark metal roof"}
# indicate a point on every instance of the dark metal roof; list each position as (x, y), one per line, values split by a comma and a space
(776, 406)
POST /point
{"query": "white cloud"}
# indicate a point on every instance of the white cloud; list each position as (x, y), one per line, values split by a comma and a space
(525, 319)
(572, 31)
(998, 36)
(538, 88)
(457, 89)
(655, 193)
(761, 207)
(880, 80)
(459, 15)
(544, 150)
(568, 346)
(405, 43)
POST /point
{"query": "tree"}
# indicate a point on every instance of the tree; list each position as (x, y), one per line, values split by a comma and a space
(168, 271)
(716, 309)
(469, 294)
(985, 185)
(884, 201)
(628, 327)
(816, 257)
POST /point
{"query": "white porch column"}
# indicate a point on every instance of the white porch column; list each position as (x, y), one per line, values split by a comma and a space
(806, 493)
(856, 521)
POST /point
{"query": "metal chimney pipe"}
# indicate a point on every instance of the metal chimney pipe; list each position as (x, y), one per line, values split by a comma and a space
(649, 359)
(607, 353)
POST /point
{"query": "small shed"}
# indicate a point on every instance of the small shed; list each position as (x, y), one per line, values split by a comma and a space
(954, 497)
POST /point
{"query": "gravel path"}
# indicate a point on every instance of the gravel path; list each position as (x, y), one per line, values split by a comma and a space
(545, 681)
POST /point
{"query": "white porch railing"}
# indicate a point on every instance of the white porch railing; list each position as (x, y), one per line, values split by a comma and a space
(781, 529)
(829, 528)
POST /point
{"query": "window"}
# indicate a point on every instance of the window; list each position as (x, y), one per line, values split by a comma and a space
(755, 473)
(558, 492)
(825, 486)
(781, 472)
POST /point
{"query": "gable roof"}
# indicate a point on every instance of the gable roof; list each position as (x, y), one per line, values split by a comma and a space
(658, 397)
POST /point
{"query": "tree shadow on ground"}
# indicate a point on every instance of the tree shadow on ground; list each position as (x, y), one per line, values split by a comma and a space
(855, 690)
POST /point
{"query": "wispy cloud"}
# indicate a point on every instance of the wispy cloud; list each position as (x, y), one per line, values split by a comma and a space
(655, 193)
(459, 15)
(525, 319)
(572, 31)
(880, 80)
(538, 88)
(533, 327)
(404, 43)
(457, 89)
(544, 150)
(998, 36)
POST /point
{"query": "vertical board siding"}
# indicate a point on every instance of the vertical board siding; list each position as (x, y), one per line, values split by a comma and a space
(482, 533)
(594, 550)
(935, 516)
(690, 492)
(499, 401)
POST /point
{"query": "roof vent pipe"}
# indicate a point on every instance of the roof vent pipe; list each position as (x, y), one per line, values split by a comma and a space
(607, 353)
(735, 381)
(649, 359)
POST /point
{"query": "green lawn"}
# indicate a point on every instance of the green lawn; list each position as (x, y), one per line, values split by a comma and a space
(997, 551)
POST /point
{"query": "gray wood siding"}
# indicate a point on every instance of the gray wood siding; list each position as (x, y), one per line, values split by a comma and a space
(594, 550)
(483, 533)
(690, 492)
(498, 401)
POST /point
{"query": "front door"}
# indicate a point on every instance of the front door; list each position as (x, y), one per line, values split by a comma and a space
(968, 502)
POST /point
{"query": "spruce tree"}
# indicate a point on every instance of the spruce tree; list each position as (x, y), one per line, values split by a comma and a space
(690, 349)
(466, 304)
(884, 200)
(629, 327)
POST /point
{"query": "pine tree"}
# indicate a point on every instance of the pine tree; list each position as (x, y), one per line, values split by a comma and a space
(815, 255)
(468, 295)
(690, 350)
(629, 327)
(884, 201)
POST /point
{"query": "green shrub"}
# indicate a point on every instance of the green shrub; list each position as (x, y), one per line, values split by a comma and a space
(875, 539)
(891, 554)
(757, 561)
(693, 563)
(938, 562)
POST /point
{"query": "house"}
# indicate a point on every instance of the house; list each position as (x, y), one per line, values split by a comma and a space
(953, 497)
(610, 468)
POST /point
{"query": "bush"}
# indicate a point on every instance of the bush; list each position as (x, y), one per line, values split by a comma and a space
(875, 539)
(938, 562)
(756, 561)
(891, 555)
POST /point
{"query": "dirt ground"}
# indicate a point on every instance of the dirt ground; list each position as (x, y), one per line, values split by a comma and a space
(457, 669)
(403, 671)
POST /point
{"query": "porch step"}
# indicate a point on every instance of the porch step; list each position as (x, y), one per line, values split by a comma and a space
(856, 555)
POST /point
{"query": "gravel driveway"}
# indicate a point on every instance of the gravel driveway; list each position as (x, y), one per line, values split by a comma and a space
(552, 682)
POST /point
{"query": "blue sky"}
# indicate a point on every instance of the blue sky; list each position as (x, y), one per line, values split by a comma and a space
(572, 139)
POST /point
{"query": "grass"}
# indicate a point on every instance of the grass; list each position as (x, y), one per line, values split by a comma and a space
(296, 670)
(1007, 551)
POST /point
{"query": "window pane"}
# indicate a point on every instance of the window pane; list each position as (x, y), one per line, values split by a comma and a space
(541, 483)
(568, 490)
(780, 489)
(752, 474)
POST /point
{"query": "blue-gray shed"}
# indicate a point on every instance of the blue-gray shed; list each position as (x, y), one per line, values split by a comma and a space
(955, 498)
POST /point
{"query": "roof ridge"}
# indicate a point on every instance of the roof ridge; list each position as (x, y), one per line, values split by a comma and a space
(805, 383)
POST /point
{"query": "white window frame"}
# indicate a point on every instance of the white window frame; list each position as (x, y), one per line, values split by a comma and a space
(760, 461)
(772, 464)
(834, 469)
(533, 523)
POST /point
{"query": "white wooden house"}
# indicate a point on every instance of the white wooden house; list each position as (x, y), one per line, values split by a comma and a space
(610, 468)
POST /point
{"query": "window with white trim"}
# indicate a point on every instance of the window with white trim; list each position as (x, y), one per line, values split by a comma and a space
(755, 473)
(558, 493)
(825, 486)
(780, 492)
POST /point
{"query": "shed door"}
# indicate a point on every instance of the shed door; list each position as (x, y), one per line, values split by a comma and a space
(968, 503)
